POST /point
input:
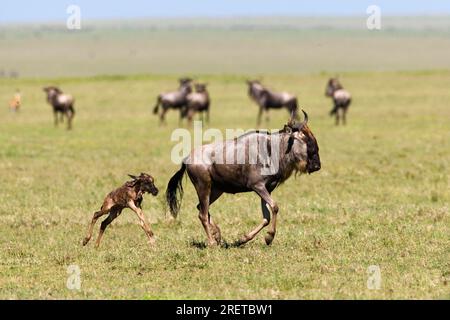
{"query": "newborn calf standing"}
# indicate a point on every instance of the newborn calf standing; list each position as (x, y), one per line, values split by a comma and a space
(127, 196)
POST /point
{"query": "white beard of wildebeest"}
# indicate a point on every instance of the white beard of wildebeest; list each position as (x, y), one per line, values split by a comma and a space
(267, 99)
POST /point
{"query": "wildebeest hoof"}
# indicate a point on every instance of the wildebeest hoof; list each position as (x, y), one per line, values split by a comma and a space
(217, 235)
(243, 240)
(85, 241)
(212, 243)
(269, 238)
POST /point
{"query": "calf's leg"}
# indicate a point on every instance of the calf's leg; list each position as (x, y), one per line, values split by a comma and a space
(97, 215)
(114, 213)
(144, 225)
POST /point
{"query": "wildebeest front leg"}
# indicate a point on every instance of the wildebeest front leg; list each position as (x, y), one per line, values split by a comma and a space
(144, 225)
(265, 198)
(273, 227)
(258, 120)
(55, 114)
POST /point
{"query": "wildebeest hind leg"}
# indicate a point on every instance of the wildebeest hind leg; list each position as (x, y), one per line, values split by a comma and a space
(97, 215)
(215, 194)
(203, 189)
(69, 120)
(105, 223)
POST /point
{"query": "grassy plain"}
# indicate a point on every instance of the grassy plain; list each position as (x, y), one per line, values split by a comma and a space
(266, 45)
(381, 198)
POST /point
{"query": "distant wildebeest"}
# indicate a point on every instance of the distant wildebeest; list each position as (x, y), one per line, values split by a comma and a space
(197, 102)
(267, 99)
(13, 74)
(296, 151)
(129, 195)
(341, 99)
(16, 102)
(174, 100)
(62, 103)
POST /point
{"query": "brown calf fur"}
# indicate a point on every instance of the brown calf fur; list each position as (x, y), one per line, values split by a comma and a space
(129, 195)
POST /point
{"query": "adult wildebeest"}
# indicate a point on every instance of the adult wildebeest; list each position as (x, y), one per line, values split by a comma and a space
(341, 99)
(267, 99)
(62, 103)
(174, 100)
(129, 195)
(197, 101)
(294, 148)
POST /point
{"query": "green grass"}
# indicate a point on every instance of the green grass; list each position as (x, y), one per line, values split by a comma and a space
(381, 197)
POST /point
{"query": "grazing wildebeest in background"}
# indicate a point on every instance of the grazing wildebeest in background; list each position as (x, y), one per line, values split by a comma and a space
(267, 99)
(16, 102)
(341, 99)
(62, 103)
(296, 148)
(129, 195)
(198, 101)
(174, 100)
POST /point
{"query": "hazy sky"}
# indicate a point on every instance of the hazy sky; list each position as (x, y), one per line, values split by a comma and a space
(55, 10)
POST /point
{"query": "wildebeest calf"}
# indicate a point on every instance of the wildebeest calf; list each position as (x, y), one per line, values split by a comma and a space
(129, 195)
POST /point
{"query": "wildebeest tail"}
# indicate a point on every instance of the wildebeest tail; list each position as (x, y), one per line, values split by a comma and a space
(158, 102)
(174, 186)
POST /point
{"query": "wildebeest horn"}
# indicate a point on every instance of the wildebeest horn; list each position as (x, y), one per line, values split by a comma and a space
(305, 121)
(132, 176)
(300, 125)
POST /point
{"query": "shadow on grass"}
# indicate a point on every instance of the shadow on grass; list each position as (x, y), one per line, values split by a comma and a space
(224, 244)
